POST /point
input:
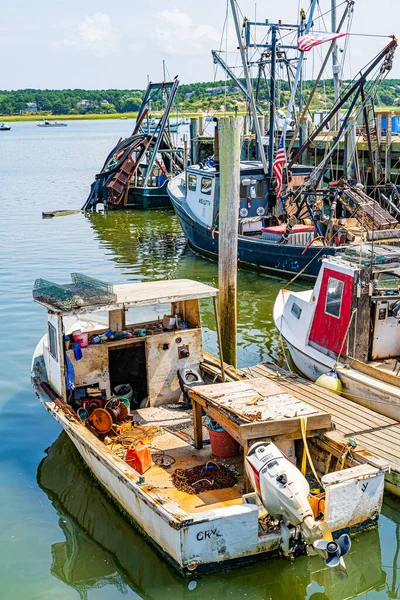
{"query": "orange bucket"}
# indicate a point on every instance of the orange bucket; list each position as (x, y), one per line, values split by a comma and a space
(138, 456)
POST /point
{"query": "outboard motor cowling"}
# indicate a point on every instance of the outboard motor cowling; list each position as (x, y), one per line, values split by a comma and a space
(284, 492)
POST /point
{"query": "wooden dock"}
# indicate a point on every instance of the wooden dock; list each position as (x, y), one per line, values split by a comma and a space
(371, 431)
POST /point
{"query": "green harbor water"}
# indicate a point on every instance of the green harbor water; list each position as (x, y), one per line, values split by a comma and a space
(60, 536)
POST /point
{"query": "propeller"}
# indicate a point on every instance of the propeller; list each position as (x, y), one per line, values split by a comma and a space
(334, 549)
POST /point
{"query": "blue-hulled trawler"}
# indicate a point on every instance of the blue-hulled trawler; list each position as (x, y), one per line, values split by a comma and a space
(321, 211)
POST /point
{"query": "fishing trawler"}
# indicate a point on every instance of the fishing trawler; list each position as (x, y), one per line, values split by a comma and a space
(137, 170)
(89, 371)
(346, 330)
(314, 211)
(96, 545)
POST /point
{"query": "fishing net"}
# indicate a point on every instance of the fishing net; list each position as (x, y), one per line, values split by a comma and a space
(83, 291)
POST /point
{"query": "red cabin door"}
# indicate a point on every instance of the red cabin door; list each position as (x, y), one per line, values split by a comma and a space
(333, 310)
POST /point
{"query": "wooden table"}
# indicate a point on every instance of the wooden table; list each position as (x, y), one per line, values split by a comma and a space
(256, 409)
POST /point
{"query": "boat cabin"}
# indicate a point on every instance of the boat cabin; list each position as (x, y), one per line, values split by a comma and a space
(202, 192)
(350, 324)
(355, 306)
(121, 346)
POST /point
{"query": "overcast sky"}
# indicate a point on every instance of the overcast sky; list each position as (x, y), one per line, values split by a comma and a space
(104, 44)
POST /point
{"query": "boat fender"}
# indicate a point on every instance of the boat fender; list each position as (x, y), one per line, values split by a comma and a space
(330, 381)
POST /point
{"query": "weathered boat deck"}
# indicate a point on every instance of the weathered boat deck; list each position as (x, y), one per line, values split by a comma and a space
(376, 433)
(168, 431)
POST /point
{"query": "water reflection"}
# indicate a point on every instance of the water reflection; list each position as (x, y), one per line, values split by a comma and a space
(390, 509)
(150, 245)
(102, 549)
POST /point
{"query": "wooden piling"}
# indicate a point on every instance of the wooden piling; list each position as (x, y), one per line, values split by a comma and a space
(350, 150)
(194, 140)
(378, 162)
(201, 125)
(388, 146)
(229, 158)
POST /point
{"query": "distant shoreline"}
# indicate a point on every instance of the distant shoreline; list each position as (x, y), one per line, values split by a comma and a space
(96, 117)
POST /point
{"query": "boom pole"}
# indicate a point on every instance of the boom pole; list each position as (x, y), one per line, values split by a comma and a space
(253, 108)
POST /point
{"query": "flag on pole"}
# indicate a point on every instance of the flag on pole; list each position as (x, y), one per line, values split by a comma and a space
(279, 163)
(306, 42)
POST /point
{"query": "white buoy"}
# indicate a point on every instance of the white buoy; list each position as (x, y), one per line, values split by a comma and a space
(330, 381)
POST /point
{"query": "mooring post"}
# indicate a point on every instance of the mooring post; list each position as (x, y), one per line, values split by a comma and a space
(194, 140)
(388, 146)
(350, 150)
(378, 160)
(201, 125)
(229, 160)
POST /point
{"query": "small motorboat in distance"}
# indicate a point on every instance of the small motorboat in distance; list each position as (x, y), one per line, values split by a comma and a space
(4, 127)
(51, 124)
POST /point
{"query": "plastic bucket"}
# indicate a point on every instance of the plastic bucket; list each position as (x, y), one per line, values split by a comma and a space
(81, 338)
(124, 393)
(223, 444)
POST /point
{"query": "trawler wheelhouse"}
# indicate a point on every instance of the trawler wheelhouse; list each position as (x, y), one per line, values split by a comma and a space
(350, 323)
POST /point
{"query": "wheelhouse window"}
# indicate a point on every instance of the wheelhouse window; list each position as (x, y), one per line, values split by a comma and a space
(296, 310)
(52, 341)
(206, 185)
(334, 297)
(192, 182)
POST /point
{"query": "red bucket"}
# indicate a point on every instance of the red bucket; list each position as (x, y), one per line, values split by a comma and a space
(223, 444)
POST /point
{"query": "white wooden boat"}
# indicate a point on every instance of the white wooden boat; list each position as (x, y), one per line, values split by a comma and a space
(200, 530)
(349, 325)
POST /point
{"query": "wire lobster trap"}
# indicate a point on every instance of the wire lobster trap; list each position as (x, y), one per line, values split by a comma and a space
(83, 291)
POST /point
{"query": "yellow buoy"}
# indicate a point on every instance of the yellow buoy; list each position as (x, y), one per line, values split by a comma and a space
(330, 381)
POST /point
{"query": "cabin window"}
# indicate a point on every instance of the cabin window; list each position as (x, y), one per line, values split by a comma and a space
(260, 189)
(52, 341)
(296, 310)
(206, 184)
(192, 182)
(334, 297)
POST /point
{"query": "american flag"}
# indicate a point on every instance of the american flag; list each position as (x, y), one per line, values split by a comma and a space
(279, 163)
(306, 42)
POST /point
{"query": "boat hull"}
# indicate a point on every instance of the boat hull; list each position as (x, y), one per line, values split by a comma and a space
(218, 537)
(210, 540)
(147, 199)
(358, 387)
(253, 253)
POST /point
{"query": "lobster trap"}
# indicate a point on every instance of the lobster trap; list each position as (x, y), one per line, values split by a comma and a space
(83, 291)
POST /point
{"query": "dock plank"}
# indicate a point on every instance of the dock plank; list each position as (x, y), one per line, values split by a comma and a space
(377, 433)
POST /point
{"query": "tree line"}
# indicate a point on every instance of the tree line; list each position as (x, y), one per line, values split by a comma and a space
(205, 96)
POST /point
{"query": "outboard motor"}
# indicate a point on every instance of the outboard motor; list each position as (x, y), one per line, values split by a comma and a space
(284, 492)
(188, 377)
